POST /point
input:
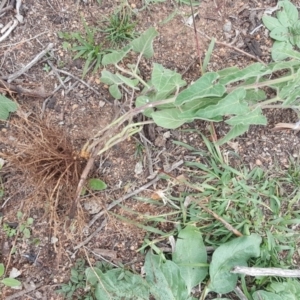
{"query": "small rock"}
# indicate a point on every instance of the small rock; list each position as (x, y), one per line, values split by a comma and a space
(74, 106)
(258, 162)
(92, 206)
(101, 103)
(227, 26)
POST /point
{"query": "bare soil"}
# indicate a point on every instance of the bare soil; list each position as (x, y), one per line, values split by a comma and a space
(46, 257)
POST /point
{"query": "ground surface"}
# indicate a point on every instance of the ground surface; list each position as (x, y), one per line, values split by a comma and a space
(80, 112)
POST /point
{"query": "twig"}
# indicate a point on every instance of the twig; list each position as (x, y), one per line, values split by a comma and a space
(56, 73)
(230, 46)
(240, 294)
(37, 93)
(84, 83)
(129, 195)
(9, 7)
(17, 74)
(24, 292)
(217, 217)
(265, 272)
(7, 33)
(91, 236)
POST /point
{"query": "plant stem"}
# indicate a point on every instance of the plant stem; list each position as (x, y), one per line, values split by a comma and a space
(136, 76)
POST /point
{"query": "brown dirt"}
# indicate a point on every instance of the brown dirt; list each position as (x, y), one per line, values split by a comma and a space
(80, 113)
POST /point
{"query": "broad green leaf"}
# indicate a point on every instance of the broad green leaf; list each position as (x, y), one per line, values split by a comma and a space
(117, 284)
(189, 109)
(234, 253)
(294, 34)
(280, 34)
(6, 106)
(255, 69)
(270, 22)
(10, 282)
(130, 82)
(142, 100)
(144, 43)
(189, 253)
(289, 290)
(26, 233)
(254, 96)
(165, 81)
(169, 118)
(250, 118)
(278, 50)
(96, 184)
(288, 15)
(205, 86)
(233, 133)
(289, 52)
(231, 104)
(227, 71)
(2, 269)
(115, 91)
(263, 295)
(164, 279)
(109, 78)
(115, 57)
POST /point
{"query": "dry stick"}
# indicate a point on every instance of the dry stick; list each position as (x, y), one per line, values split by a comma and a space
(135, 192)
(217, 217)
(24, 292)
(7, 33)
(240, 294)
(9, 7)
(196, 38)
(232, 47)
(56, 73)
(17, 74)
(265, 272)
(84, 83)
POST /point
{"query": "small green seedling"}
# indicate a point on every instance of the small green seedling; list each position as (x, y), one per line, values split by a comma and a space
(10, 282)
(46, 68)
(85, 46)
(25, 227)
(284, 28)
(120, 28)
(6, 106)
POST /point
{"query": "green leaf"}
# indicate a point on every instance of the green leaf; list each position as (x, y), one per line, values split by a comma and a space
(96, 184)
(254, 96)
(164, 278)
(263, 295)
(165, 82)
(270, 22)
(250, 118)
(295, 34)
(205, 86)
(2, 269)
(26, 233)
(228, 255)
(6, 106)
(130, 82)
(117, 284)
(278, 50)
(109, 78)
(189, 253)
(253, 70)
(115, 91)
(288, 15)
(231, 104)
(280, 34)
(169, 118)
(233, 133)
(115, 56)
(142, 100)
(144, 43)
(289, 290)
(11, 282)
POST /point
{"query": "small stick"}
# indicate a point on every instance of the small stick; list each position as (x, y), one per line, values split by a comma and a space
(265, 272)
(135, 192)
(56, 73)
(217, 217)
(17, 74)
(24, 292)
(84, 83)
(7, 33)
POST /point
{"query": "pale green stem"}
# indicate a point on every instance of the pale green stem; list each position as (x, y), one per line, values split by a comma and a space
(134, 75)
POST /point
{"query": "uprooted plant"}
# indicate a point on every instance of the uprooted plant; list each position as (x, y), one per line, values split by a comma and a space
(233, 95)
